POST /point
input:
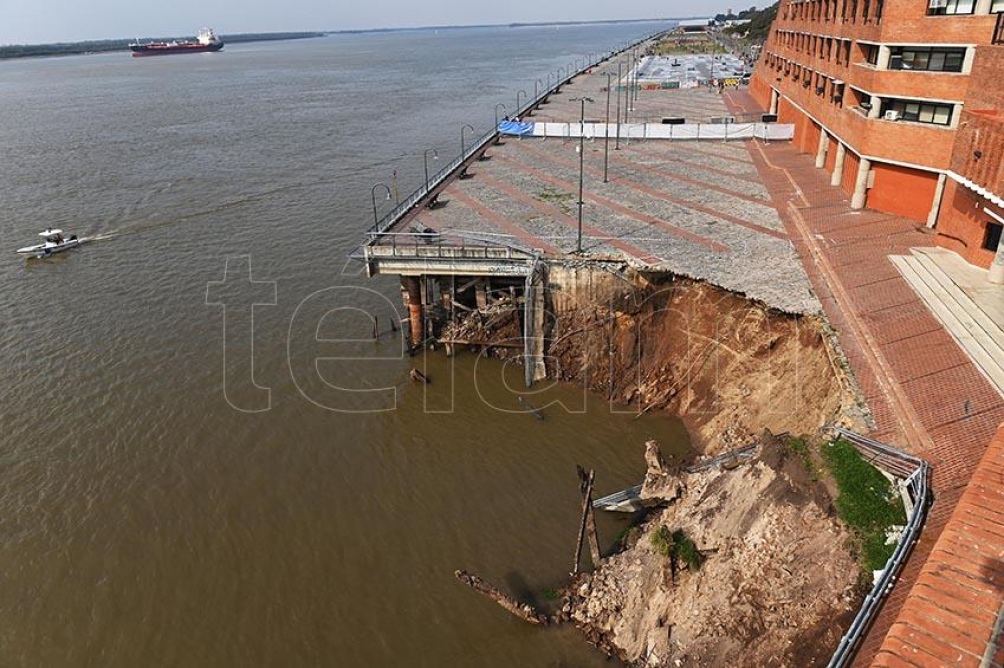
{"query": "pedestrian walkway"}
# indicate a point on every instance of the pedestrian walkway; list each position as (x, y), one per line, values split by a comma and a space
(927, 271)
(924, 392)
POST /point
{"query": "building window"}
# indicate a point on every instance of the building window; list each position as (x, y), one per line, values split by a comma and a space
(919, 112)
(945, 7)
(871, 54)
(928, 59)
(992, 236)
(997, 7)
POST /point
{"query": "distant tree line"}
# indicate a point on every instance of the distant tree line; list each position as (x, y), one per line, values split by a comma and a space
(758, 28)
(98, 46)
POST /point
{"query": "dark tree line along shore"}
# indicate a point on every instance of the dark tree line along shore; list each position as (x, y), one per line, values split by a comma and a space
(98, 46)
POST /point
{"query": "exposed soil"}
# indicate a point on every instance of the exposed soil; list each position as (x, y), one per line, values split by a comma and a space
(777, 587)
(729, 366)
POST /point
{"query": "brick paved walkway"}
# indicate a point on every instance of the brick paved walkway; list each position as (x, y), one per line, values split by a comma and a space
(924, 393)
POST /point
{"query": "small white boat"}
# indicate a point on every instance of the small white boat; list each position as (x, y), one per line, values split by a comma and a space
(54, 242)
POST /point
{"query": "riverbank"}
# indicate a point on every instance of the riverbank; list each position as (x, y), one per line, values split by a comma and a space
(11, 51)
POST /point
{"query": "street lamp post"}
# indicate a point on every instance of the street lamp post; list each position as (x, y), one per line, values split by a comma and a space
(536, 91)
(517, 100)
(617, 142)
(498, 135)
(606, 134)
(463, 147)
(373, 195)
(425, 159)
(582, 156)
(627, 92)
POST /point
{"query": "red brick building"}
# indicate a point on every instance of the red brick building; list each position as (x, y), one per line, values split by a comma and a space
(902, 102)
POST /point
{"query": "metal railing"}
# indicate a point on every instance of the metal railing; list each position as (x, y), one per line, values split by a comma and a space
(913, 474)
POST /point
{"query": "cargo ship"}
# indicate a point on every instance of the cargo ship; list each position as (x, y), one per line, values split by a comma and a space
(205, 41)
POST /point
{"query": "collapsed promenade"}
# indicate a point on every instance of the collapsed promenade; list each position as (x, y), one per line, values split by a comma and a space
(757, 219)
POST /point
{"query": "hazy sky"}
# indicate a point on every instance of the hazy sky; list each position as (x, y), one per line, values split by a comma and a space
(40, 21)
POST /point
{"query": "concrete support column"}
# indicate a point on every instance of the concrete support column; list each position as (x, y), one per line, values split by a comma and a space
(413, 288)
(883, 57)
(838, 167)
(996, 275)
(775, 100)
(861, 184)
(876, 109)
(824, 142)
(967, 61)
(939, 193)
(983, 6)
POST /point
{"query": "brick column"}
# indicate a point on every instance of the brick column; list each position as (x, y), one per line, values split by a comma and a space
(824, 142)
(861, 184)
(838, 167)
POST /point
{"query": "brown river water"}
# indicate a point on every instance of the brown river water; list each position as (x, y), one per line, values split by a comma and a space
(197, 468)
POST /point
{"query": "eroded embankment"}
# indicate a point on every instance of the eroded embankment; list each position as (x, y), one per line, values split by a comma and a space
(729, 366)
(779, 576)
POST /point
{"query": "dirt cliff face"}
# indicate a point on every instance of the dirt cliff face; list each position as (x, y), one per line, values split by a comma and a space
(777, 585)
(728, 366)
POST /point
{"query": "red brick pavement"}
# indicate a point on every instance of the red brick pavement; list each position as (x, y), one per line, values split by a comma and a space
(924, 393)
(950, 611)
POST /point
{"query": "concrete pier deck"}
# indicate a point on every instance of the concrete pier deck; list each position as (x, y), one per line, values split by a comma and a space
(693, 208)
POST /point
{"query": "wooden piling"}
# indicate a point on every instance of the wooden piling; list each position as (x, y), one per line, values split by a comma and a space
(587, 509)
(524, 611)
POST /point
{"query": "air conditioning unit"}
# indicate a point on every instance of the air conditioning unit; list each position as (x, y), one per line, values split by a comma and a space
(891, 115)
(937, 4)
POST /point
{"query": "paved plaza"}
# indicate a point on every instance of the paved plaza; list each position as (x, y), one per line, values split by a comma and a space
(693, 208)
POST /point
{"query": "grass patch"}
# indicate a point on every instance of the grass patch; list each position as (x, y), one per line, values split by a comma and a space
(558, 198)
(801, 448)
(867, 502)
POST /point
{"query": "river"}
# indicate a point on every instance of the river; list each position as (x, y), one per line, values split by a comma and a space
(183, 483)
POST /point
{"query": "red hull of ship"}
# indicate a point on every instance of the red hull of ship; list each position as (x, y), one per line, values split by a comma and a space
(168, 49)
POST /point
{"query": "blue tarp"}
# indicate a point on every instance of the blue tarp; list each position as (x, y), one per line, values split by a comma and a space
(516, 128)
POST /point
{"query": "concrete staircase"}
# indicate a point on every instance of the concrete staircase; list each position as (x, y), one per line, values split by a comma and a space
(976, 332)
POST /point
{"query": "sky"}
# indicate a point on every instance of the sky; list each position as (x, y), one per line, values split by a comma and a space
(44, 21)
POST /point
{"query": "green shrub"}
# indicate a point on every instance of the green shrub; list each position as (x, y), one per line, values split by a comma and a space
(686, 551)
(662, 541)
(676, 547)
